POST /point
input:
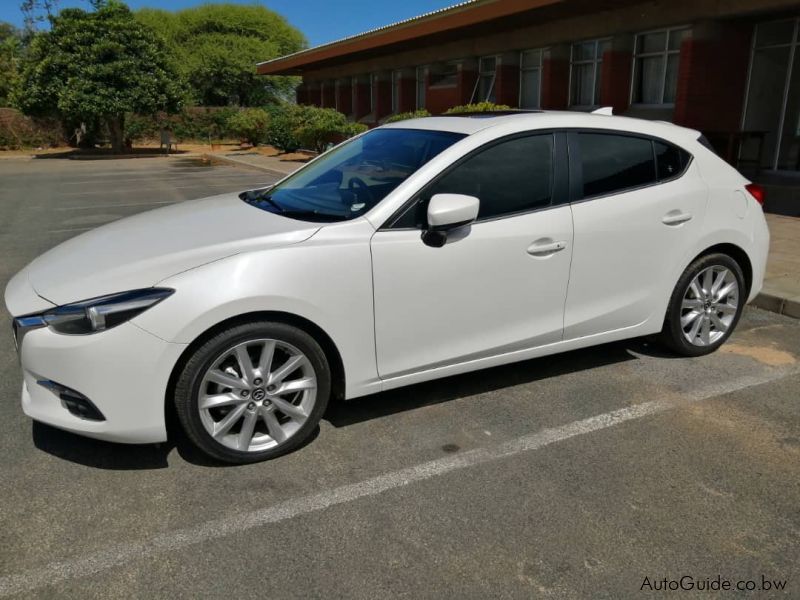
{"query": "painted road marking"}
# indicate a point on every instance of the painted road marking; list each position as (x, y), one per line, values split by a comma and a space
(123, 553)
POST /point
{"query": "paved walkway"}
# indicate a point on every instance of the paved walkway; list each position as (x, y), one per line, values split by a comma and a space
(781, 291)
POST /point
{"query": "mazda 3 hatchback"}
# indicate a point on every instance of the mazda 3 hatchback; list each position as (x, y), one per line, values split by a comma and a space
(418, 250)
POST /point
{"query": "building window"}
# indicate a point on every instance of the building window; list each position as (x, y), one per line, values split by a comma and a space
(445, 76)
(586, 63)
(655, 66)
(484, 87)
(420, 87)
(530, 78)
(353, 95)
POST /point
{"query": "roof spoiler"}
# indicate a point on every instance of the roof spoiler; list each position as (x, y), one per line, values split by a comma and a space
(604, 110)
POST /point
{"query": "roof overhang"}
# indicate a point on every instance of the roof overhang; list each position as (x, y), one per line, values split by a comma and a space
(447, 20)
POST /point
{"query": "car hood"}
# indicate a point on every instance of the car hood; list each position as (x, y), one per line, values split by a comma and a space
(142, 250)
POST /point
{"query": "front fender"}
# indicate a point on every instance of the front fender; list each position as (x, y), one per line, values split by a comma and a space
(325, 281)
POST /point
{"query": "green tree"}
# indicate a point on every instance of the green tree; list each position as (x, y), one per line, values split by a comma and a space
(95, 67)
(250, 125)
(216, 47)
(10, 48)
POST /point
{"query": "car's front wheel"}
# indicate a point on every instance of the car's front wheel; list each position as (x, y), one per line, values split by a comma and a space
(705, 305)
(253, 392)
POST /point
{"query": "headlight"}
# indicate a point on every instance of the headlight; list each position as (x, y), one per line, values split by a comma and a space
(99, 314)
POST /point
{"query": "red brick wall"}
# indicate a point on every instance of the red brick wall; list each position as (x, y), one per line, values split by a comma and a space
(615, 80)
(328, 95)
(439, 99)
(555, 83)
(506, 85)
(383, 98)
(361, 108)
(344, 98)
(466, 85)
(406, 94)
(712, 78)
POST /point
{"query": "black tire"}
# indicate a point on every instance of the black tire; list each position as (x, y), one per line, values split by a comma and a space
(672, 334)
(187, 387)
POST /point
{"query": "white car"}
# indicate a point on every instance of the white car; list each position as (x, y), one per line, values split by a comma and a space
(418, 250)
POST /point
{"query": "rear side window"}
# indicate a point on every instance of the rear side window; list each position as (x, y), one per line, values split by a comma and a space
(670, 159)
(613, 163)
(509, 177)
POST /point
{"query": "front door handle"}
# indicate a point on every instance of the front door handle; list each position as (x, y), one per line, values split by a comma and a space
(675, 217)
(545, 247)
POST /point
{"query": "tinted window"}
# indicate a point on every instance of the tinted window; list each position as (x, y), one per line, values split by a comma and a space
(612, 163)
(671, 160)
(509, 177)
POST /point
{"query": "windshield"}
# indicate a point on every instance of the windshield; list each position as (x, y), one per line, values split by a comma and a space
(352, 178)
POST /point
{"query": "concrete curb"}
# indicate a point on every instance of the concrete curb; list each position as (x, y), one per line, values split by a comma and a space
(776, 304)
(220, 159)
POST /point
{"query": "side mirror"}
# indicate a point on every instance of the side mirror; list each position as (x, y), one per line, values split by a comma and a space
(447, 212)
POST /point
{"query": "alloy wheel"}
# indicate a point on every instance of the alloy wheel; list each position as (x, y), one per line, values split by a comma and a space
(257, 394)
(709, 306)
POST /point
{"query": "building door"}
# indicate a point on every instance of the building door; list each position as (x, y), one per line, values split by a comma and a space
(773, 95)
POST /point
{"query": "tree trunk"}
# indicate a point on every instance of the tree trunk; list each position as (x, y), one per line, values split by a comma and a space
(116, 133)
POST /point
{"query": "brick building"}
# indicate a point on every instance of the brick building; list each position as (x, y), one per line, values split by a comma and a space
(726, 67)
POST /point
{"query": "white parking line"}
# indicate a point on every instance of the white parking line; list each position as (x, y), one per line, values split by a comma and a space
(123, 553)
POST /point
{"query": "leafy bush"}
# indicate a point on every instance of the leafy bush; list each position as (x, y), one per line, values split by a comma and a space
(250, 124)
(479, 107)
(198, 124)
(284, 119)
(292, 127)
(18, 131)
(404, 116)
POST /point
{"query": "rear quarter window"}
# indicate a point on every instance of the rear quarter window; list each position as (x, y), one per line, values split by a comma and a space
(613, 163)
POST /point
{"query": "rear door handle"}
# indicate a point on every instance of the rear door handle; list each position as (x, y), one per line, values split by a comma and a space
(675, 217)
(545, 248)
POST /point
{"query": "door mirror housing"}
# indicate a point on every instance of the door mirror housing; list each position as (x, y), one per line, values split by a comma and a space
(447, 212)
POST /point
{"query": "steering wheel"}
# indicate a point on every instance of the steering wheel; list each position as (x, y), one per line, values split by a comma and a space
(356, 182)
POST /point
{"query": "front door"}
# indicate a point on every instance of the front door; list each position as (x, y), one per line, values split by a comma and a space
(496, 286)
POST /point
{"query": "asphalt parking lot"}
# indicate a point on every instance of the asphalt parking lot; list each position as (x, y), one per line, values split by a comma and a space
(572, 476)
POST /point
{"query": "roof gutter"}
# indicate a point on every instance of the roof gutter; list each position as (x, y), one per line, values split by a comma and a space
(466, 13)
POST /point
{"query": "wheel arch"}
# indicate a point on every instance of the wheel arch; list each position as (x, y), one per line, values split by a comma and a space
(320, 335)
(737, 254)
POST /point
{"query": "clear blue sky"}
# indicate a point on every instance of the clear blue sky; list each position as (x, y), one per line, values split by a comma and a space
(320, 20)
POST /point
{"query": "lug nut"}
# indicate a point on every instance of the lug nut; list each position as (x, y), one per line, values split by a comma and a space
(251, 406)
(257, 382)
(245, 393)
(267, 403)
(272, 388)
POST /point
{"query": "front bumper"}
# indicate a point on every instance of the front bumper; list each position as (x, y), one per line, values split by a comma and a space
(123, 371)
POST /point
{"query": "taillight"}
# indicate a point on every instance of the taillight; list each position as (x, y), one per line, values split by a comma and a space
(757, 192)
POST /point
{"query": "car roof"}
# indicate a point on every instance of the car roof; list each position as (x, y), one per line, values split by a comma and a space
(472, 123)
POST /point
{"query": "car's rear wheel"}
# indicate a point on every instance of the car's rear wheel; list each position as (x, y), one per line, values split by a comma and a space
(253, 391)
(705, 305)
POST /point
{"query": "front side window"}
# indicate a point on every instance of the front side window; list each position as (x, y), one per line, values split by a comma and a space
(614, 163)
(484, 87)
(655, 78)
(530, 78)
(586, 63)
(509, 177)
(353, 178)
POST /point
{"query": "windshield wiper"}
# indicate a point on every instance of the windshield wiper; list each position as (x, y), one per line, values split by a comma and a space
(251, 198)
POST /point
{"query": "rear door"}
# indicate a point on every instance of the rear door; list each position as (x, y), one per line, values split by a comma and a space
(638, 203)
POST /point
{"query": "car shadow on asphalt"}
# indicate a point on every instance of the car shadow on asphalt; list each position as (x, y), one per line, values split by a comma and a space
(121, 457)
(376, 406)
